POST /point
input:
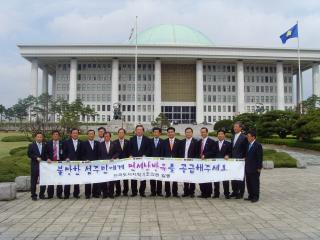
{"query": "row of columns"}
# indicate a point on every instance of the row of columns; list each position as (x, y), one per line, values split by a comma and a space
(157, 84)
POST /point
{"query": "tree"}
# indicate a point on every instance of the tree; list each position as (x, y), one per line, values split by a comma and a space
(2, 111)
(308, 125)
(161, 121)
(249, 120)
(311, 103)
(226, 125)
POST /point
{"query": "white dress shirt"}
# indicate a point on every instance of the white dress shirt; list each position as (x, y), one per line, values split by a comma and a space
(235, 139)
(186, 149)
(220, 144)
(75, 144)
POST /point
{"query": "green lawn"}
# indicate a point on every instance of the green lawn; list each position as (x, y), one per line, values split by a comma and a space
(280, 159)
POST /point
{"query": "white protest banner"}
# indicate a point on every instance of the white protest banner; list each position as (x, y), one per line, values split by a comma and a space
(145, 168)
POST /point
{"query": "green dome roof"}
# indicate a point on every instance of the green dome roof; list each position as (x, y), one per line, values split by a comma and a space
(170, 34)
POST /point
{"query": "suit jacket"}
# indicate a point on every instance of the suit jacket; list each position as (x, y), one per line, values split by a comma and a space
(49, 150)
(113, 151)
(192, 151)
(144, 148)
(125, 152)
(226, 149)
(87, 153)
(175, 150)
(254, 158)
(69, 151)
(33, 154)
(239, 150)
(156, 151)
(209, 148)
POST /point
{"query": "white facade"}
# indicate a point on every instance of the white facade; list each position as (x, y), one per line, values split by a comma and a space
(228, 80)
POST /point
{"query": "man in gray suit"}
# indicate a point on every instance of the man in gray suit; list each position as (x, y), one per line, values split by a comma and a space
(239, 150)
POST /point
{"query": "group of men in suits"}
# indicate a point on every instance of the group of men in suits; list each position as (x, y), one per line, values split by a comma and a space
(102, 147)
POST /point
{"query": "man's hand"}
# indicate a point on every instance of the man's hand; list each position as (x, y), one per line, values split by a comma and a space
(49, 161)
(87, 161)
(67, 159)
(226, 157)
(258, 170)
(38, 159)
(202, 157)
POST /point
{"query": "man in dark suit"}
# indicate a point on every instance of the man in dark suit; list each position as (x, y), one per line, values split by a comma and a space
(71, 152)
(206, 150)
(107, 151)
(253, 166)
(171, 150)
(139, 147)
(188, 149)
(239, 150)
(90, 152)
(54, 153)
(100, 137)
(156, 150)
(36, 152)
(223, 150)
(122, 145)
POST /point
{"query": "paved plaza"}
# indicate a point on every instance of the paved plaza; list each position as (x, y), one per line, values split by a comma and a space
(289, 208)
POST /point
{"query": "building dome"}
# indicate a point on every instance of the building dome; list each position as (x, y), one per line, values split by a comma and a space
(171, 34)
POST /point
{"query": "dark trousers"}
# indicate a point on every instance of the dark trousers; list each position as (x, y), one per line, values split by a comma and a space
(253, 185)
(206, 189)
(125, 187)
(34, 181)
(225, 188)
(142, 187)
(156, 187)
(238, 187)
(134, 186)
(87, 190)
(107, 188)
(96, 189)
(167, 188)
(50, 191)
(188, 188)
(76, 190)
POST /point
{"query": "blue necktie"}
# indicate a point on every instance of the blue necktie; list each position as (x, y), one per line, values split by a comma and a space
(156, 140)
(250, 145)
(139, 142)
(40, 148)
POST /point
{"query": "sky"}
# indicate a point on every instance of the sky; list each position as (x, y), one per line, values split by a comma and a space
(225, 22)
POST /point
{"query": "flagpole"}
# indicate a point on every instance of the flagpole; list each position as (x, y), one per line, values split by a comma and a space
(300, 94)
(136, 73)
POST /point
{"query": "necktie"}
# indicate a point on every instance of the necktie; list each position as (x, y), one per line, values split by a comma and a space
(40, 148)
(220, 145)
(250, 145)
(139, 143)
(171, 144)
(202, 147)
(55, 152)
(156, 140)
(121, 144)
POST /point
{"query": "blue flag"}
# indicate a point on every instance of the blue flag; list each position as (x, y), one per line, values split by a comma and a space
(291, 33)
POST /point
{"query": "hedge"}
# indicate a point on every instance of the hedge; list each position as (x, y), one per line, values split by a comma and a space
(291, 143)
(16, 138)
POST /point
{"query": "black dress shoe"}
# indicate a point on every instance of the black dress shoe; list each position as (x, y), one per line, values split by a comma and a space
(87, 197)
(168, 195)
(185, 195)
(239, 197)
(34, 198)
(233, 195)
(215, 196)
(247, 199)
(42, 197)
(125, 194)
(117, 194)
(104, 196)
(66, 197)
(76, 196)
(60, 197)
(133, 194)
(111, 196)
(142, 195)
(159, 195)
(192, 195)
(227, 196)
(253, 200)
(176, 195)
(202, 196)
(153, 195)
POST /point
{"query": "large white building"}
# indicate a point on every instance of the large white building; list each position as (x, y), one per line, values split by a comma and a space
(180, 73)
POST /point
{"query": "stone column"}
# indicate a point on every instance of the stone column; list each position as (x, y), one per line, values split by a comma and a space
(34, 77)
(280, 86)
(73, 80)
(316, 79)
(157, 88)
(44, 80)
(199, 92)
(240, 87)
(115, 81)
(54, 84)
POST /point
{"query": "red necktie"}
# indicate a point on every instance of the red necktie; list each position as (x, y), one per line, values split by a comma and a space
(55, 154)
